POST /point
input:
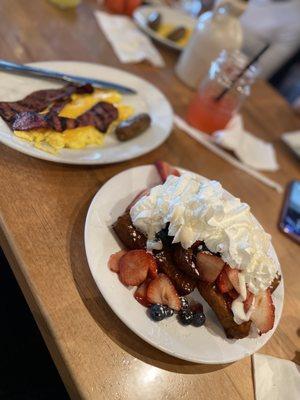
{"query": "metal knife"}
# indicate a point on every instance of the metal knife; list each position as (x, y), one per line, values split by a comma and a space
(47, 73)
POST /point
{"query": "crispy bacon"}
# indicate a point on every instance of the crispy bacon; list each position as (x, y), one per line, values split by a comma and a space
(57, 106)
(29, 119)
(40, 100)
(100, 116)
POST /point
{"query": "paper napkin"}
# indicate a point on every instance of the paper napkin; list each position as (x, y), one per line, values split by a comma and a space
(127, 41)
(248, 148)
(208, 141)
(275, 379)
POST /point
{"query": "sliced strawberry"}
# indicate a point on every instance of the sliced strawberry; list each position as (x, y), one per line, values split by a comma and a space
(223, 282)
(113, 262)
(209, 266)
(141, 293)
(248, 302)
(152, 272)
(134, 267)
(233, 294)
(164, 169)
(141, 194)
(264, 312)
(162, 291)
(233, 275)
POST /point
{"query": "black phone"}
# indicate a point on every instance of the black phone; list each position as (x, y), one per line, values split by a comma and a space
(290, 216)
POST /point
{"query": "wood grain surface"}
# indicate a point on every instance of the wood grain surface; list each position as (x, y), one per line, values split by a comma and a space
(43, 209)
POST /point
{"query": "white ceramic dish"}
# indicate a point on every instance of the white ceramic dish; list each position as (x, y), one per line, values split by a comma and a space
(148, 99)
(169, 16)
(208, 344)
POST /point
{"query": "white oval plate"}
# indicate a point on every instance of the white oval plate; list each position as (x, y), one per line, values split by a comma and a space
(148, 99)
(169, 16)
(208, 344)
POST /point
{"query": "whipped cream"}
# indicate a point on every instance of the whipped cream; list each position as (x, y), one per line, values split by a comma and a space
(200, 209)
(237, 307)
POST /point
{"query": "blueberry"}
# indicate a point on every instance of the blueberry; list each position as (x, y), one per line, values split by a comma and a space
(186, 317)
(168, 311)
(157, 312)
(184, 303)
(198, 319)
(196, 307)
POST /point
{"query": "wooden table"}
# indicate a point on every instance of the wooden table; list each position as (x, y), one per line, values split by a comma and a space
(43, 209)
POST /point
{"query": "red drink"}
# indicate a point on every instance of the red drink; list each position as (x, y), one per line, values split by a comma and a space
(209, 115)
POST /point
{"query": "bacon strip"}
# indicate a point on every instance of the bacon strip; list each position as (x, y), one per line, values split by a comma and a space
(40, 100)
(99, 116)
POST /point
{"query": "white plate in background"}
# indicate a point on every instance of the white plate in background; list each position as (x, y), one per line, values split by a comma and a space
(168, 15)
(148, 99)
(208, 344)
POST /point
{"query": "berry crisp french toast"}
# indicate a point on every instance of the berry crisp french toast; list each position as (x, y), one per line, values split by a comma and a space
(189, 233)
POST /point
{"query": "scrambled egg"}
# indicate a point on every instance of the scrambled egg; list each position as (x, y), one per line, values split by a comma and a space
(77, 138)
(165, 29)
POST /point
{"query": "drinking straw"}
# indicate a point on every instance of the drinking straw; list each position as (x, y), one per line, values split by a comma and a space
(251, 62)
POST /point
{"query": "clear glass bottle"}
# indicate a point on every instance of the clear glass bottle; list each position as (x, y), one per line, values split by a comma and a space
(215, 31)
(206, 111)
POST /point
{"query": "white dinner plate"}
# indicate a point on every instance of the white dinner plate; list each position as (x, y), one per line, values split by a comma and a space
(168, 16)
(148, 99)
(208, 344)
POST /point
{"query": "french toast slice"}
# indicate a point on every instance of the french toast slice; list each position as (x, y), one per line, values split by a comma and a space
(183, 282)
(179, 265)
(132, 238)
(221, 307)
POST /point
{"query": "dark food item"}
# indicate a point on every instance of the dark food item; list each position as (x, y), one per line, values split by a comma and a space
(196, 245)
(164, 237)
(29, 120)
(196, 307)
(184, 260)
(184, 284)
(84, 89)
(185, 316)
(177, 33)
(128, 234)
(168, 311)
(57, 107)
(223, 311)
(198, 319)
(233, 294)
(40, 100)
(154, 20)
(157, 312)
(133, 127)
(184, 303)
(99, 116)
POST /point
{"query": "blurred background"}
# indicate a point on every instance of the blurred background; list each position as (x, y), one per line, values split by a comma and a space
(265, 21)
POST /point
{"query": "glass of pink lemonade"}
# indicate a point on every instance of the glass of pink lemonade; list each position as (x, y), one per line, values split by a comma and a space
(208, 113)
